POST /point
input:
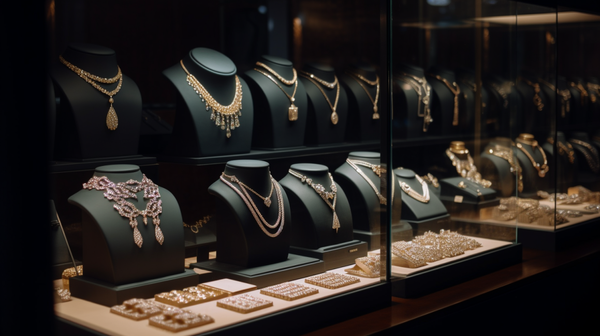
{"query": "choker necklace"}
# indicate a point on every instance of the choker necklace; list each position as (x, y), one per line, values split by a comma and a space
(590, 153)
(120, 192)
(316, 80)
(293, 109)
(564, 149)
(423, 90)
(455, 90)
(258, 217)
(507, 154)
(466, 168)
(376, 169)
(226, 117)
(565, 104)
(537, 99)
(412, 193)
(112, 121)
(542, 169)
(583, 94)
(325, 195)
(362, 78)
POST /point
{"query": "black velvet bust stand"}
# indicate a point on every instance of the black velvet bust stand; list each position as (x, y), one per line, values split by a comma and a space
(468, 91)
(532, 120)
(594, 107)
(272, 127)
(555, 101)
(365, 205)
(560, 165)
(361, 125)
(421, 216)
(117, 269)
(473, 202)
(408, 105)
(579, 104)
(498, 107)
(532, 181)
(585, 175)
(497, 170)
(244, 251)
(442, 103)
(194, 134)
(319, 128)
(313, 234)
(81, 131)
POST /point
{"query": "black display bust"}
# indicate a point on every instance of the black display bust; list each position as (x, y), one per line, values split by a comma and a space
(497, 169)
(412, 209)
(412, 106)
(533, 179)
(363, 116)
(194, 133)
(564, 164)
(81, 127)
(443, 101)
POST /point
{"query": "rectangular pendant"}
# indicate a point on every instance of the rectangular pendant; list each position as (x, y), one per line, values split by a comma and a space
(293, 113)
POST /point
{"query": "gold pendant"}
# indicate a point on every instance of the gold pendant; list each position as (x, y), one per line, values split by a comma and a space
(334, 118)
(112, 121)
(336, 222)
(455, 119)
(375, 114)
(293, 112)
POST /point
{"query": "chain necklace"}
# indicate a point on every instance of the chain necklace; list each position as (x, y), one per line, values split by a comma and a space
(112, 121)
(583, 94)
(423, 90)
(120, 192)
(564, 149)
(565, 104)
(590, 153)
(503, 90)
(593, 91)
(466, 168)
(424, 198)
(376, 169)
(455, 90)
(316, 80)
(508, 155)
(542, 169)
(226, 117)
(325, 195)
(537, 99)
(258, 217)
(266, 199)
(362, 78)
(293, 109)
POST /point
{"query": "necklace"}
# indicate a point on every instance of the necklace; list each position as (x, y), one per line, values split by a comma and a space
(362, 78)
(266, 199)
(564, 149)
(316, 80)
(594, 91)
(565, 104)
(456, 91)
(423, 90)
(537, 100)
(466, 168)
(590, 153)
(120, 192)
(542, 169)
(112, 121)
(376, 169)
(227, 117)
(325, 195)
(430, 179)
(583, 94)
(258, 217)
(508, 155)
(293, 109)
(412, 193)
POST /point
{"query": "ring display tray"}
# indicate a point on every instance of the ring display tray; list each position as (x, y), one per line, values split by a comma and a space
(335, 256)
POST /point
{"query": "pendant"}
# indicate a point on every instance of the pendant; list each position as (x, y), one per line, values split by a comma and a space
(293, 112)
(334, 118)
(375, 114)
(137, 236)
(455, 119)
(268, 202)
(336, 222)
(112, 121)
(160, 238)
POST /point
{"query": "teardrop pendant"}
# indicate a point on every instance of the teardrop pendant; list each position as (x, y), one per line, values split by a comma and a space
(112, 121)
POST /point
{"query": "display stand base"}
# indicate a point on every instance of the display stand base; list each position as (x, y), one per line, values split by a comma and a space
(58, 269)
(429, 224)
(262, 276)
(560, 238)
(277, 148)
(402, 231)
(466, 210)
(335, 256)
(444, 276)
(109, 295)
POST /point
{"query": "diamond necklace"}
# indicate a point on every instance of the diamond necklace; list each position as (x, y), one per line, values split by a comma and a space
(455, 91)
(376, 169)
(112, 121)
(423, 90)
(413, 193)
(316, 80)
(362, 78)
(226, 117)
(121, 191)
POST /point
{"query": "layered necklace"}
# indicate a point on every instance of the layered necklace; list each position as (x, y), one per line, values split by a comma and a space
(456, 91)
(325, 195)
(318, 82)
(565, 104)
(590, 153)
(375, 168)
(423, 198)
(226, 117)
(258, 217)
(465, 168)
(293, 109)
(112, 121)
(527, 139)
(423, 90)
(120, 192)
(360, 78)
(507, 154)
(564, 149)
(537, 99)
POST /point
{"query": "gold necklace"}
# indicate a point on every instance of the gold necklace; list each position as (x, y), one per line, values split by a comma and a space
(227, 117)
(537, 99)
(376, 169)
(293, 109)
(456, 91)
(325, 195)
(564, 149)
(266, 199)
(281, 79)
(465, 168)
(591, 154)
(112, 121)
(423, 90)
(583, 94)
(528, 140)
(360, 78)
(424, 198)
(594, 91)
(565, 103)
(316, 80)
(508, 155)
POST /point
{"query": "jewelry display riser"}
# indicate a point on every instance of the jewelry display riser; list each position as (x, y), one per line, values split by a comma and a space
(81, 115)
(413, 210)
(459, 271)
(273, 127)
(107, 294)
(361, 125)
(294, 267)
(467, 203)
(442, 104)
(335, 256)
(560, 238)
(194, 134)
(399, 231)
